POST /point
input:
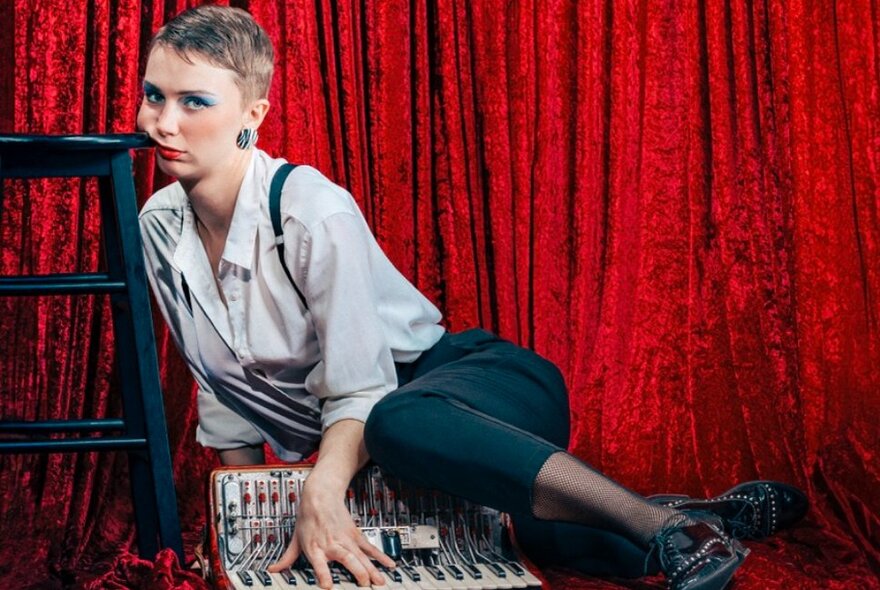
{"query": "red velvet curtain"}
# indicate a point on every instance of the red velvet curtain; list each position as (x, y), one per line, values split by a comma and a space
(675, 201)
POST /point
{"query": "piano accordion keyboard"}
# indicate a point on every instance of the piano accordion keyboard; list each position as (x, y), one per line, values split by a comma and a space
(439, 542)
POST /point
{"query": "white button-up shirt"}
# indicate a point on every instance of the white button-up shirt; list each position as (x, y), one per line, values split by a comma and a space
(266, 367)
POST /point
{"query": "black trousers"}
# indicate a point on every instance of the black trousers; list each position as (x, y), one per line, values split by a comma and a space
(476, 417)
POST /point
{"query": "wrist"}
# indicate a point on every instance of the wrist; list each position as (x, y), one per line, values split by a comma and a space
(326, 483)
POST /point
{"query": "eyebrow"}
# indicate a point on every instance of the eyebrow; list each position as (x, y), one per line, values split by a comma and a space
(154, 88)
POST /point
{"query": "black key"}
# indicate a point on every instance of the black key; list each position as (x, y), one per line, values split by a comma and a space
(393, 574)
(474, 572)
(411, 573)
(435, 571)
(288, 577)
(309, 574)
(455, 572)
(263, 577)
(515, 568)
(245, 578)
(337, 571)
(496, 569)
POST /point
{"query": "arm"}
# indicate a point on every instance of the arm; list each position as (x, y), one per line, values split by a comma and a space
(331, 253)
(324, 529)
(248, 455)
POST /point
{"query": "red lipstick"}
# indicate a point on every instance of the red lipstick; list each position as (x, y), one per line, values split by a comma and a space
(168, 153)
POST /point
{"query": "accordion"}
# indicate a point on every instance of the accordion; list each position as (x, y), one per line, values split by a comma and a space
(439, 542)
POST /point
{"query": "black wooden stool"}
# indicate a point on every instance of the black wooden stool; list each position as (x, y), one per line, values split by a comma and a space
(142, 430)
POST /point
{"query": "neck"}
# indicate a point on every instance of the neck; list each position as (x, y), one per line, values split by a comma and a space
(213, 196)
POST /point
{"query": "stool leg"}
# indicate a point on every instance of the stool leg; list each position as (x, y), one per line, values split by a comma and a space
(151, 473)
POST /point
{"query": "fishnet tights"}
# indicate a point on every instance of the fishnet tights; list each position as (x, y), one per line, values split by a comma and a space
(567, 489)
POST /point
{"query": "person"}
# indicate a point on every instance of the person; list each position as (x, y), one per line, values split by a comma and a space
(333, 349)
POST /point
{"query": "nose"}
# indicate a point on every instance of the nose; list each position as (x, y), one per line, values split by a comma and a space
(167, 123)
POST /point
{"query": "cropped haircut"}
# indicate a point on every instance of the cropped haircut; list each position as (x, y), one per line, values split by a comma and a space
(227, 38)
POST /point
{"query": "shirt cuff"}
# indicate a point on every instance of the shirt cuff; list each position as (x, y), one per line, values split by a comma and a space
(221, 428)
(355, 406)
(249, 438)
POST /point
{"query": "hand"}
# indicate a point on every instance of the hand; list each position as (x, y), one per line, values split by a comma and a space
(325, 532)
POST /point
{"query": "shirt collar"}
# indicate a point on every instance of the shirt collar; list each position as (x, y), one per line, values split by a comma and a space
(191, 260)
(239, 247)
(188, 246)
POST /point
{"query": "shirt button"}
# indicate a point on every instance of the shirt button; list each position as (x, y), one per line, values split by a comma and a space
(234, 296)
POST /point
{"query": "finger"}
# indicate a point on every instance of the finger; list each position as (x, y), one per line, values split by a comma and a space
(288, 557)
(322, 570)
(376, 577)
(372, 576)
(356, 564)
(375, 553)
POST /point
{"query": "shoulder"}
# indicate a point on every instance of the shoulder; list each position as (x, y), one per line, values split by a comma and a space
(163, 212)
(311, 198)
(169, 200)
(170, 197)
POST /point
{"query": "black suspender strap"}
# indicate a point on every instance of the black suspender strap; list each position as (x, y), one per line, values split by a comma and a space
(186, 294)
(275, 216)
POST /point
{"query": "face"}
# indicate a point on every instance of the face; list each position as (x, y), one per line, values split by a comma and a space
(194, 112)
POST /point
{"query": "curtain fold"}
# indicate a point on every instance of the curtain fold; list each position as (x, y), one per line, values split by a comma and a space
(677, 202)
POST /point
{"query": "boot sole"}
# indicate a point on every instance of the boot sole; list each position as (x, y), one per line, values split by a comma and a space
(722, 575)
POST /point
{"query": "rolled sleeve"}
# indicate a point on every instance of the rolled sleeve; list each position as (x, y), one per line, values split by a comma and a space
(353, 406)
(357, 366)
(220, 427)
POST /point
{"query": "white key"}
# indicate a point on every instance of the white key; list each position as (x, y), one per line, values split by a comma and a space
(389, 584)
(262, 579)
(407, 583)
(281, 582)
(238, 583)
(528, 577)
(426, 580)
(462, 584)
(491, 578)
(514, 580)
(429, 578)
(483, 583)
(302, 581)
(342, 578)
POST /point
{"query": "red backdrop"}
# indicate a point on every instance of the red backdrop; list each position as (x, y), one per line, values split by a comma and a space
(676, 201)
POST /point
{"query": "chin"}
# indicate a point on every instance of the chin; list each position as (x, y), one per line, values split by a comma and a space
(173, 168)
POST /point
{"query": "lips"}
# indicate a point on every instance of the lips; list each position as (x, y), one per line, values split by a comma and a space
(168, 153)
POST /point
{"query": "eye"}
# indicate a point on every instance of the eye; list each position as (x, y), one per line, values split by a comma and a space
(153, 97)
(196, 103)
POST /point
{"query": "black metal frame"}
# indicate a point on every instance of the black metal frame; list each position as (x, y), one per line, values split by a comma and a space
(143, 430)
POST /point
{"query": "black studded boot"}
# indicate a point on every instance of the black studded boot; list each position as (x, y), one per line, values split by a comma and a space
(751, 510)
(697, 555)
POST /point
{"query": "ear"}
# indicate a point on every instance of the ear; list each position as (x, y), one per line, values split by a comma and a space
(254, 115)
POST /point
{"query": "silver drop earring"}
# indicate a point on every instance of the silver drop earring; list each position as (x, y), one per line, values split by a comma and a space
(247, 137)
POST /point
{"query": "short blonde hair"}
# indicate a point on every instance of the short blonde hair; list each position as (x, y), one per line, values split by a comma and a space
(225, 37)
